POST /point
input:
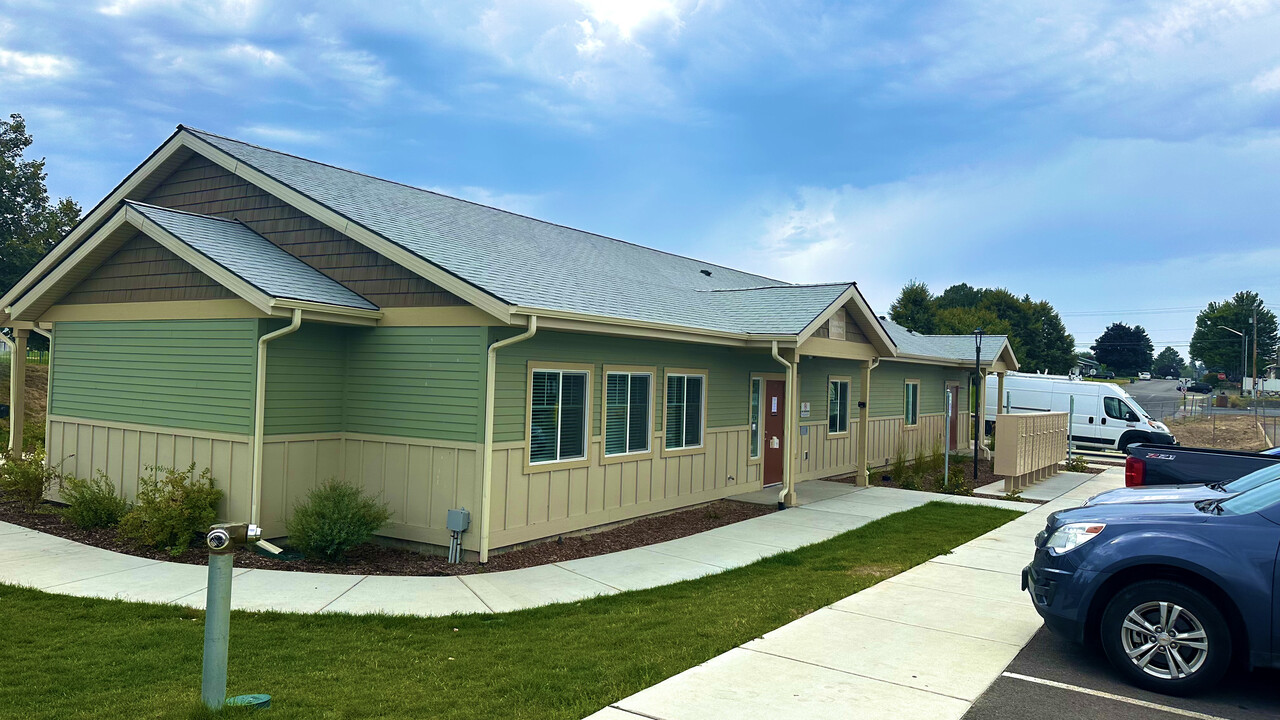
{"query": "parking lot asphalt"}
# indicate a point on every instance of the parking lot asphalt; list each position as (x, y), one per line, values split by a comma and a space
(1053, 677)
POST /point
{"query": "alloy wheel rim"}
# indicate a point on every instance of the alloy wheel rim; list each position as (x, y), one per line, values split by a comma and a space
(1164, 640)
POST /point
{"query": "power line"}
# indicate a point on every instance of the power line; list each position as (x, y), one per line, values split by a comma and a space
(1131, 312)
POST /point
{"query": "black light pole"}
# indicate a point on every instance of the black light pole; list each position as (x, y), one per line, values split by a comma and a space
(981, 409)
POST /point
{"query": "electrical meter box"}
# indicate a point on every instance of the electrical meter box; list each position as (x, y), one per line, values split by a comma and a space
(458, 520)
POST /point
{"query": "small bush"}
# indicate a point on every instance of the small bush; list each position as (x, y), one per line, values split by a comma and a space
(172, 509)
(957, 483)
(1075, 463)
(336, 517)
(26, 478)
(92, 503)
(933, 465)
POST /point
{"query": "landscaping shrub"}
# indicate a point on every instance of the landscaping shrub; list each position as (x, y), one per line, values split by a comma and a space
(899, 470)
(933, 465)
(336, 517)
(172, 509)
(1075, 463)
(26, 478)
(957, 482)
(92, 503)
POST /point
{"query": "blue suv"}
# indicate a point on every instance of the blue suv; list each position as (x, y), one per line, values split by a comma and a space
(1172, 591)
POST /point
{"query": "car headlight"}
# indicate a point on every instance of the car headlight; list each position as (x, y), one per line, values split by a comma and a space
(1073, 535)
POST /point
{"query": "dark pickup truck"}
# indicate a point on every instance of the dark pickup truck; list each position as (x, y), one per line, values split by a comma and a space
(1177, 465)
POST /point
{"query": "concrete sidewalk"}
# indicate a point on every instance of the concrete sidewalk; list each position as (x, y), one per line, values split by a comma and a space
(1043, 491)
(54, 564)
(922, 644)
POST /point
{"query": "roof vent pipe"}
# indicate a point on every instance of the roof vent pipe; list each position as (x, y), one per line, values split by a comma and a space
(705, 272)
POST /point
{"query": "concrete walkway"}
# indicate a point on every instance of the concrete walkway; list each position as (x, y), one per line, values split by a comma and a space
(1043, 491)
(923, 644)
(54, 564)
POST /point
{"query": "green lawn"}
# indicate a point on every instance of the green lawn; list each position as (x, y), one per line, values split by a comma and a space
(65, 657)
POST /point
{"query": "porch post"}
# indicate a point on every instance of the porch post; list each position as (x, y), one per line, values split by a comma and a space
(17, 387)
(864, 422)
(1000, 408)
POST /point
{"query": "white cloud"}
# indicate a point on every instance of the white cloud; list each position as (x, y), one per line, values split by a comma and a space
(23, 65)
(1098, 221)
(520, 203)
(1267, 81)
(283, 134)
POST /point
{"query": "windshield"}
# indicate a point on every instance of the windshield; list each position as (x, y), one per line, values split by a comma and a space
(1259, 498)
(1253, 479)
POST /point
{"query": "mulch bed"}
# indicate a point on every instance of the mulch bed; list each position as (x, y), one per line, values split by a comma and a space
(882, 478)
(372, 559)
(986, 476)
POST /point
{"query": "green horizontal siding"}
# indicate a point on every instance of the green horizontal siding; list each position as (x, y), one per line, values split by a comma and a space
(194, 374)
(728, 373)
(423, 382)
(305, 379)
(889, 380)
(814, 374)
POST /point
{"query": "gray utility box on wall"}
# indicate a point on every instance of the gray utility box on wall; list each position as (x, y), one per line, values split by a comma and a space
(458, 520)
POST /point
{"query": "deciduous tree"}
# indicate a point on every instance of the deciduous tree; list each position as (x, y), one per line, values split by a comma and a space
(1220, 349)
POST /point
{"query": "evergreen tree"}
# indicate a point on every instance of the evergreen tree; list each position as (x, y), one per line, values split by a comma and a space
(1124, 350)
(914, 309)
(1169, 362)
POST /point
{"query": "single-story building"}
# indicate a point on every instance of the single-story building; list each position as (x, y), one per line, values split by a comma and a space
(281, 322)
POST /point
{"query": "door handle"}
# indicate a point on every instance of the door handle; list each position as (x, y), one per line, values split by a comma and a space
(1104, 421)
(1090, 419)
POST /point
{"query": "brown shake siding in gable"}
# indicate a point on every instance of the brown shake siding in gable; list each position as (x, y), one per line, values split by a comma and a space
(200, 186)
(142, 270)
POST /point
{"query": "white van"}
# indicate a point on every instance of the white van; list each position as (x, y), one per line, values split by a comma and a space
(1106, 416)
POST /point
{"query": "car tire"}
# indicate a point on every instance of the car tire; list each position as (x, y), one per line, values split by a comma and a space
(1151, 656)
(1131, 438)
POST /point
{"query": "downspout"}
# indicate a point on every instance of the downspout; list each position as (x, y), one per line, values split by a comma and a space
(486, 481)
(786, 436)
(260, 411)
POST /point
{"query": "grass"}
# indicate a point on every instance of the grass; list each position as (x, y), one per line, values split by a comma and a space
(71, 657)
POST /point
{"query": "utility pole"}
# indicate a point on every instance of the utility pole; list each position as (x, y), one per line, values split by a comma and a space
(1254, 374)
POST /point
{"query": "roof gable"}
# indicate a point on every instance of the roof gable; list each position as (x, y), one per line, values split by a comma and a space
(226, 251)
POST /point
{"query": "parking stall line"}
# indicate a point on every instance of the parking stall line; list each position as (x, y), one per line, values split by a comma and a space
(1110, 696)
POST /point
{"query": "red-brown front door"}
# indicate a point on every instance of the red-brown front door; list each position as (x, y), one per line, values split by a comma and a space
(954, 390)
(775, 404)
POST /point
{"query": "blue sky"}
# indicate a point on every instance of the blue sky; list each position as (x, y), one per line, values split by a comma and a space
(1110, 157)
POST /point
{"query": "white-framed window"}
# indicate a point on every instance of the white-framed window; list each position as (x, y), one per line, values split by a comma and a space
(837, 406)
(628, 412)
(757, 425)
(558, 415)
(686, 395)
(911, 403)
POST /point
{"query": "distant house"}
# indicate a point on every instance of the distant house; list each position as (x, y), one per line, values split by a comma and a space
(1086, 367)
(281, 322)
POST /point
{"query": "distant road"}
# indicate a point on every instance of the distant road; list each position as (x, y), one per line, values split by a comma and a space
(1160, 398)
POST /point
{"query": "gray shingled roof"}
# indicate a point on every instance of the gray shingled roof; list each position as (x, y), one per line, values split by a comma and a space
(538, 264)
(252, 258)
(950, 347)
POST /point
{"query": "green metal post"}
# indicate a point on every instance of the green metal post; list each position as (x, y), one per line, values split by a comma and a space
(217, 627)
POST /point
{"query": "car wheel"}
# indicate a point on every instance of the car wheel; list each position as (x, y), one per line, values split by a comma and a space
(1131, 439)
(1166, 637)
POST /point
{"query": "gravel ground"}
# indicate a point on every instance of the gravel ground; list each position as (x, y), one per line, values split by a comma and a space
(374, 559)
